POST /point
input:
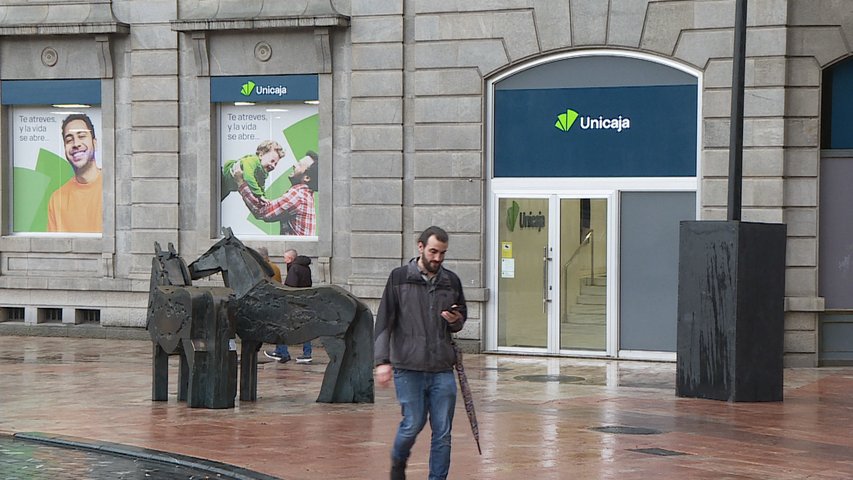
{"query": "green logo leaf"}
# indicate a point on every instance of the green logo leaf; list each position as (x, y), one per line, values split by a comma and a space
(511, 215)
(566, 120)
(248, 87)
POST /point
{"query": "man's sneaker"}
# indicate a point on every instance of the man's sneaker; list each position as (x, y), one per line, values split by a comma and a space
(272, 354)
(275, 356)
(303, 359)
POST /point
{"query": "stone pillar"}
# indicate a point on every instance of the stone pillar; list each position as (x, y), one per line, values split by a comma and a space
(153, 206)
(376, 115)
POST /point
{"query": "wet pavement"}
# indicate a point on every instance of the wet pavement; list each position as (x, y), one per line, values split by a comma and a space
(542, 418)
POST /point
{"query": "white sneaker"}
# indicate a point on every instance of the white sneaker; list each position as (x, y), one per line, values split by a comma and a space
(303, 359)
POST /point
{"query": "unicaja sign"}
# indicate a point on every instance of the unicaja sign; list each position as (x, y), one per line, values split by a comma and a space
(250, 87)
(565, 121)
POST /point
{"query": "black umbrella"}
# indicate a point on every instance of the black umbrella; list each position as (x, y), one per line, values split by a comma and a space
(466, 396)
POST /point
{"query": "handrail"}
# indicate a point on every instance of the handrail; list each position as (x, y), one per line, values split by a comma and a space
(586, 239)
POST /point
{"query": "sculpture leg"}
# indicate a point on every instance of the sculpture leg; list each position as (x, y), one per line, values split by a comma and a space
(159, 374)
(349, 378)
(197, 360)
(183, 377)
(222, 367)
(249, 370)
(335, 349)
(358, 364)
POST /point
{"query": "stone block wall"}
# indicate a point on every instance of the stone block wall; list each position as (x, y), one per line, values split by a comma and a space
(404, 121)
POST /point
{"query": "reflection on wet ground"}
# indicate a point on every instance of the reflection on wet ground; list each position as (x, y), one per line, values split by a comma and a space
(29, 460)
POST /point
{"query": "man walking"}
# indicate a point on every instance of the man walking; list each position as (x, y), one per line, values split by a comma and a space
(421, 306)
(298, 274)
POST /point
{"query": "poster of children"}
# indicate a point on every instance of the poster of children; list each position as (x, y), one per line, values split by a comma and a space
(57, 186)
(268, 168)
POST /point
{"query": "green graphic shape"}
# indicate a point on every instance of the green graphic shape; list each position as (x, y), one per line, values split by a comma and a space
(511, 215)
(302, 136)
(566, 120)
(33, 189)
(247, 88)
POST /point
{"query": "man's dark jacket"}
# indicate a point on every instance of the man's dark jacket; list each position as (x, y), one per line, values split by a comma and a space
(410, 332)
(299, 272)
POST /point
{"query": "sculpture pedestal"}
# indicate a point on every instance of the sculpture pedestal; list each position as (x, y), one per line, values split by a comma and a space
(731, 291)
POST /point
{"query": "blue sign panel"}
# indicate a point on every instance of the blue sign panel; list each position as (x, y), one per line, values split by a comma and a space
(841, 134)
(641, 131)
(264, 88)
(51, 92)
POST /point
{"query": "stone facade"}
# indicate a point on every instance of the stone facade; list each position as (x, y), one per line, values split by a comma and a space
(403, 105)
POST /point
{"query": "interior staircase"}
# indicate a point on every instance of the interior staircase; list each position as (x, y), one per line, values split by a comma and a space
(584, 322)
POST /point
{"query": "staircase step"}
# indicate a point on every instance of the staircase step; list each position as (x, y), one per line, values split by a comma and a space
(591, 300)
(598, 281)
(592, 309)
(584, 319)
(600, 290)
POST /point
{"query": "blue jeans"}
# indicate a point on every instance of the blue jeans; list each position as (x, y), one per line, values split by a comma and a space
(422, 395)
(307, 350)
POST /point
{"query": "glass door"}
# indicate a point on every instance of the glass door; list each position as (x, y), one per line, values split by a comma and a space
(583, 274)
(523, 272)
(552, 273)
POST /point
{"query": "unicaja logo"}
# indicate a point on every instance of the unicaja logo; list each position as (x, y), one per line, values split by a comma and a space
(566, 120)
(247, 88)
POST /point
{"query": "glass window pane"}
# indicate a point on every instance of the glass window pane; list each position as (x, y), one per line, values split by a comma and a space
(583, 274)
(522, 237)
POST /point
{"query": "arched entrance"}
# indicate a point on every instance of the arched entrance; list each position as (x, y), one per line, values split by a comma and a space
(592, 164)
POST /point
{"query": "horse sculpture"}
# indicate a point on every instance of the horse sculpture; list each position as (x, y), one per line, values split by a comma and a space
(273, 313)
(196, 323)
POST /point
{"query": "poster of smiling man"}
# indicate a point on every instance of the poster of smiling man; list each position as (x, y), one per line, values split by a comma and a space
(268, 168)
(57, 182)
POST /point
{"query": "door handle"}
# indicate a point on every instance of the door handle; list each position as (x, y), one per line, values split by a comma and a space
(545, 260)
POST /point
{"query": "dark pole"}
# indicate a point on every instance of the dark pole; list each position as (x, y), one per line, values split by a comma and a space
(736, 135)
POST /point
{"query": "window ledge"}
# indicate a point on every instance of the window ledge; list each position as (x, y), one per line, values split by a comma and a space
(295, 21)
(86, 28)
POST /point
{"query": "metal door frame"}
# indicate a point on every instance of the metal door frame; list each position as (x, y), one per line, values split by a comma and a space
(554, 229)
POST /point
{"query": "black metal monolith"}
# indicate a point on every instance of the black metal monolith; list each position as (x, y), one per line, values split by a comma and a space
(731, 287)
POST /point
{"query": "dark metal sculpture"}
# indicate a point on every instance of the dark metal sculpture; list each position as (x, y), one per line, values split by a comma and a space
(167, 268)
(273, 313)
(197, 324)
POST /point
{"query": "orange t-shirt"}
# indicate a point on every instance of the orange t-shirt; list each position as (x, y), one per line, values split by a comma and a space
(77, 207)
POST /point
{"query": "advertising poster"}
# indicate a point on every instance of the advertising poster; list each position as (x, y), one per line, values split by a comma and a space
(268, 168)
(57, 183)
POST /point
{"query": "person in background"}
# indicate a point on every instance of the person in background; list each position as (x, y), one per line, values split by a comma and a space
(298, 275)
(421, 307)
(266, 254)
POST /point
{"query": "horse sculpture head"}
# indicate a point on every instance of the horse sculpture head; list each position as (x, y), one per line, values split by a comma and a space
(242, 267)
(168, 268)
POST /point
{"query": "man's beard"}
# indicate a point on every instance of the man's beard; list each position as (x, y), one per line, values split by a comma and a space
(430, 267)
